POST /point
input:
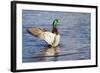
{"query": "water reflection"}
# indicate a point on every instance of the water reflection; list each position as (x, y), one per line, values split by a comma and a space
(48, 54)
(51, 53)
(55, 54)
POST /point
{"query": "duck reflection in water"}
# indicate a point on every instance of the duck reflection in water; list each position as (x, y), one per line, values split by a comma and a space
(51, 53)
(48, 54)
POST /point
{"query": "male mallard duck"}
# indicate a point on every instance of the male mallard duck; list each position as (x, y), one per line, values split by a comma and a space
(52, 38)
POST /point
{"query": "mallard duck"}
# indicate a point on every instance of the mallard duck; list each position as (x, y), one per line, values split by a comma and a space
(52, 38)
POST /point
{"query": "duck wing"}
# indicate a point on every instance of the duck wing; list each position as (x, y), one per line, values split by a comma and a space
(35, 31)
(42, 34)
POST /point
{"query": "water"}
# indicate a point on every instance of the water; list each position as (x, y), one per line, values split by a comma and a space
(75, 36)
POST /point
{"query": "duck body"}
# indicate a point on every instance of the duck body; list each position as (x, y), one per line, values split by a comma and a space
(51, 38)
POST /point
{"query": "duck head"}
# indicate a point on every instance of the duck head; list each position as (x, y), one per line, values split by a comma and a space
(55, 23)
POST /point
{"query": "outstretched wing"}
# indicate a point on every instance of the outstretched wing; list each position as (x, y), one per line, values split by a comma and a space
(42, 34)
(35, 31)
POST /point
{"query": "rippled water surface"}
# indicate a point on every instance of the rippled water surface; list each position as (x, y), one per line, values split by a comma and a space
(75, 36)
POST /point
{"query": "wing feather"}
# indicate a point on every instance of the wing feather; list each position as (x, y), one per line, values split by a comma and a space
(42, 34)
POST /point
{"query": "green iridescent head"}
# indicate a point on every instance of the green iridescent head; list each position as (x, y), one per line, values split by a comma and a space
(56, 22)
